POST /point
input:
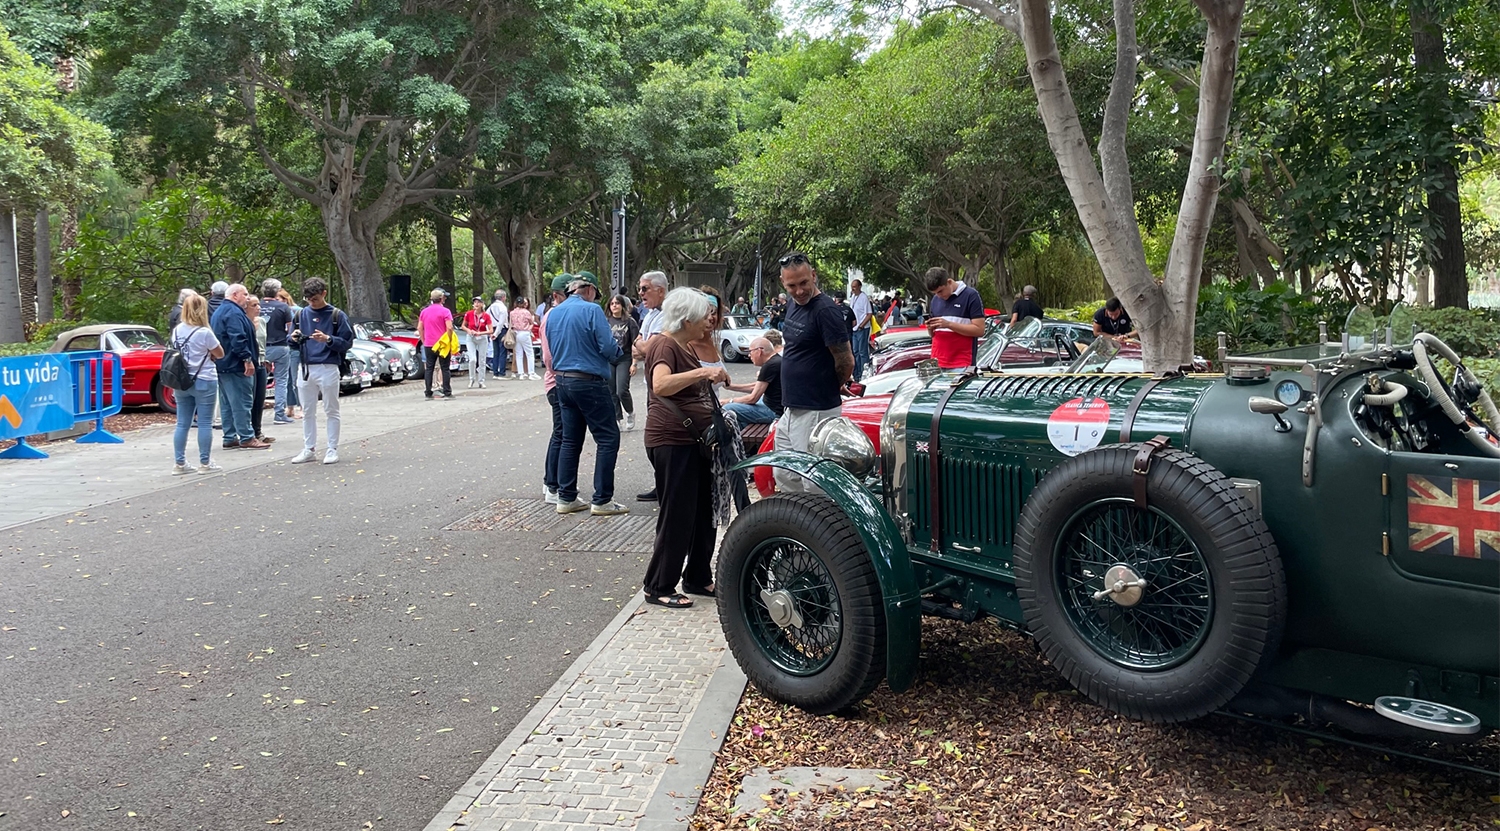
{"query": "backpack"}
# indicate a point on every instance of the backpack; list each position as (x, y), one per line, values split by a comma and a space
(174, 365)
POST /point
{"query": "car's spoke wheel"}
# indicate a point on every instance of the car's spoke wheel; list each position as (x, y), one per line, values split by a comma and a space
(729, 353)
(800, 603)
(1161, 612)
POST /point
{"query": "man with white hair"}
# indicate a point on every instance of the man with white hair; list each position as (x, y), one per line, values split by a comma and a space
(215, 298)
(174, 317)
(653, 291)
(500, 314)
(236, 335)
(761, 402)
(583, 350)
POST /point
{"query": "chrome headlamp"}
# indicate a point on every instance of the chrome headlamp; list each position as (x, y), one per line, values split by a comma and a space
(893, 449)
(840, 441)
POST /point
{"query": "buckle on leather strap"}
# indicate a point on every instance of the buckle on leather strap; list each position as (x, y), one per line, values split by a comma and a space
(1142, 466)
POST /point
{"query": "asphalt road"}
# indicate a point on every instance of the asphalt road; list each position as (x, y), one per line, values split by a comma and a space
(296, 646)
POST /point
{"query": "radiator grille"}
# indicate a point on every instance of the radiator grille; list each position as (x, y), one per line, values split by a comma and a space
(981, 501)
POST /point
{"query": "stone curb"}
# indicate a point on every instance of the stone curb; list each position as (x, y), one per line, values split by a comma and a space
(464, 799)
(681, 786)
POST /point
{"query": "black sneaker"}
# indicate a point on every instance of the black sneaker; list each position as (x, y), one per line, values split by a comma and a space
(648, 496)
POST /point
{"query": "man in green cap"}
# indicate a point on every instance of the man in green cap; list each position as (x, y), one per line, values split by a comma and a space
(559, 291)
(582, 351)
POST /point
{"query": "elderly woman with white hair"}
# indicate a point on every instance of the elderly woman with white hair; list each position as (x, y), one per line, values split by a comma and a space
(679, 408)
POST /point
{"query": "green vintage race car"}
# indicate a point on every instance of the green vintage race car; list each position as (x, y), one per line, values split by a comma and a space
(1315, 533)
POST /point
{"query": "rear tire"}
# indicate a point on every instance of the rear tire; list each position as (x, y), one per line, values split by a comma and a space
(1214, 602)
(728, 353)
(819, 641)
(164, 396)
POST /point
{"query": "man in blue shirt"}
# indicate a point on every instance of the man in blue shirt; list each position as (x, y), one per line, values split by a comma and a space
(583, 350)
(237, 368)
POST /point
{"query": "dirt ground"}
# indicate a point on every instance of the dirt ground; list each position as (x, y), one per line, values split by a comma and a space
(991, 737)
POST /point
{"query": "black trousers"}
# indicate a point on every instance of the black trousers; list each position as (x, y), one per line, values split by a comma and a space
(434, 362)
(258, 399)
(684, 520)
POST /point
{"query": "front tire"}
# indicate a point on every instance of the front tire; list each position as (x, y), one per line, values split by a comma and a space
(800, 603)
(1213, 604)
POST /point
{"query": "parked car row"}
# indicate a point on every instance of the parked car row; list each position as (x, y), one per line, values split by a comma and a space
(372, 360)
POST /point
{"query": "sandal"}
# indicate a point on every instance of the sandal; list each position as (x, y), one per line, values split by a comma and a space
(671, 601)
(702, 591)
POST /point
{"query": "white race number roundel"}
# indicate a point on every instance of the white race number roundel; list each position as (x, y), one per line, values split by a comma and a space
(1078, 425)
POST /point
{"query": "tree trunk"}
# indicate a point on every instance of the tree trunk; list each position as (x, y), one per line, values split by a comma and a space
(476, 265)
(353, 245)
(443, 231)
(43, 267)
(12, 329)
(67, 240)
(1449, 270)
(26, 268)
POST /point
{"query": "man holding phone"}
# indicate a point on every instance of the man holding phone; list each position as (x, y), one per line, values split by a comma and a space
(322, 335)
(956, 321)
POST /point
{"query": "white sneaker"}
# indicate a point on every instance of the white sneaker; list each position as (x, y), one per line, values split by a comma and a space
(331, 457)
(305, 456)
(630, 421)
(211, 467)
(608, 509)
(534, 377)
(572, 507)
(178, 470)
(549, 495)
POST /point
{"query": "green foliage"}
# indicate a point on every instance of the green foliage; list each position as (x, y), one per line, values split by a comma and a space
(1080, 313)
(11, 350)
(1253, 317)
(47, 152)
(186, 235)
(1471, 332)
(1346, 133)
(1063, 269)
(1488, 372)
(46, 333)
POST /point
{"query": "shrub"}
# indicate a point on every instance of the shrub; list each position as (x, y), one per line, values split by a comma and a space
(46, 333)
(10, 350)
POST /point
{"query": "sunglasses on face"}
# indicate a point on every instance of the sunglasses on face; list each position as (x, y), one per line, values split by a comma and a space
(793, 259)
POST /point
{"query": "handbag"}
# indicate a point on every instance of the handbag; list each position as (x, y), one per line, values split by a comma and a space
(174, 367)
(711, 436)
(510, 339)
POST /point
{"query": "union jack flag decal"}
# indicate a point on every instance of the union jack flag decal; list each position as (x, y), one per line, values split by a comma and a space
(1453, 517)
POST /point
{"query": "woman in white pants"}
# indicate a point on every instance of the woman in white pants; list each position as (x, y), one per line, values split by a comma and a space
(521, 321)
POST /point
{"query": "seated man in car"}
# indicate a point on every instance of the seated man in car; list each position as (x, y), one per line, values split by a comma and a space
(761, 403)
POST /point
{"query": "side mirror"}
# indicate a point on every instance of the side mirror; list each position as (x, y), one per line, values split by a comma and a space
(1271, 407)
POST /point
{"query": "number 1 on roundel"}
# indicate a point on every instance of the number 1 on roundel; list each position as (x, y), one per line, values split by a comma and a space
(1078, 425)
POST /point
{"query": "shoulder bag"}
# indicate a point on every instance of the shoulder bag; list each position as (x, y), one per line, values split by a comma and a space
(709, 436)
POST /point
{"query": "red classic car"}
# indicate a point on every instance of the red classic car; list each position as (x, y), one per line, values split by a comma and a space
(140, 349)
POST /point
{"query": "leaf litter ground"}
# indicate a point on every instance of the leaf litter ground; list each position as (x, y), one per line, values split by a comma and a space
(992, 737)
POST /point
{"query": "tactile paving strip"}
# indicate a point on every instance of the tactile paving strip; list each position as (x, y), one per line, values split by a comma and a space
(515, 515)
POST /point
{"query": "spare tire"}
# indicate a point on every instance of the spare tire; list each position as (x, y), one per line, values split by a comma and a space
(1160, 613)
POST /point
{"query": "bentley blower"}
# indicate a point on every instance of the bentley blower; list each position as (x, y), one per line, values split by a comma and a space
(1313, 533)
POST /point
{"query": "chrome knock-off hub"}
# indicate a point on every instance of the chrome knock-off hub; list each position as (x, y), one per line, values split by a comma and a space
(1122, 585)
(782, 607)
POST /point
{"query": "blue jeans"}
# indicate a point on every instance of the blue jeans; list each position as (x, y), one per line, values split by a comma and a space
(591, 405)
(554, 443)
(293, 361)
(281, 357)
(757, 413)
(861, 346)
(200, 401)
(498, 357)
(236, 390)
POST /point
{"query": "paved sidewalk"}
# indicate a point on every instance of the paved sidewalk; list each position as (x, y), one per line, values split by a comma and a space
(78, 476)
(624, 739)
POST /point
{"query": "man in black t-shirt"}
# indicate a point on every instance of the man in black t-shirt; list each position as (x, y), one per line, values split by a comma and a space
(1113, 321)
(1026, 306)
(761, 403)
(817, 361)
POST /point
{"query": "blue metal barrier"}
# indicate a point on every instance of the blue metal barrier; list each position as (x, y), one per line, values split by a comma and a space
(98, 391)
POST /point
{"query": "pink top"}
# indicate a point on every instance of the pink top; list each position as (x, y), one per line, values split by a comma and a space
(433, 322)
(520, 320)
